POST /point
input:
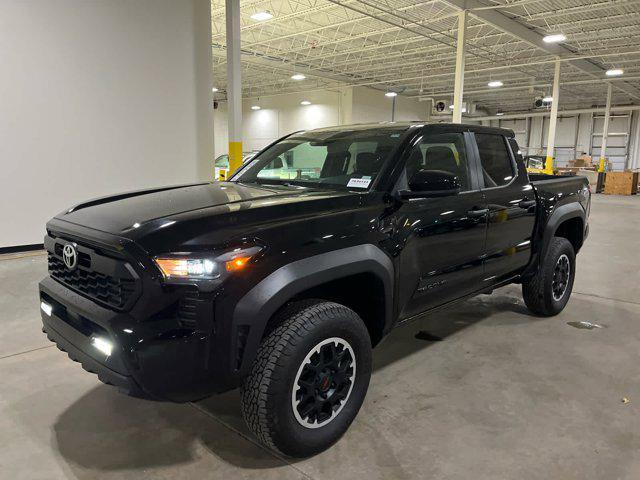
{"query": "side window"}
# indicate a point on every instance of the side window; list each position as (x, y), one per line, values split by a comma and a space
(497, 167)
(440, 151)
(516, 150)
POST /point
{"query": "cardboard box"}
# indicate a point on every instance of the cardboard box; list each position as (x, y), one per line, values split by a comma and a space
(591, 176)
(621, 183)
(584, 161)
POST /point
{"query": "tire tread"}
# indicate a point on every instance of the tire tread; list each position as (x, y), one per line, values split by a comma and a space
(293, 321)
(534, 291)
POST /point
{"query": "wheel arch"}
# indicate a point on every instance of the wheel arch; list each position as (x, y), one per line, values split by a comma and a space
(566, 221)
(310, 277)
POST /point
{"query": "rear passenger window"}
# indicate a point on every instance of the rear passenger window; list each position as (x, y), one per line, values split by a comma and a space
(497, 167)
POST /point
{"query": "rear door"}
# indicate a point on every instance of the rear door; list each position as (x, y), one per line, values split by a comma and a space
(511, 202)
(439, 240)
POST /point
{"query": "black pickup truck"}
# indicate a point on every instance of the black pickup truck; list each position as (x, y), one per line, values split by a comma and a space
(282, 279)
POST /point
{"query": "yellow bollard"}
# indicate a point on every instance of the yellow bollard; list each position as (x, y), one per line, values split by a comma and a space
(235, 157)
(548, 165)
(602, 164)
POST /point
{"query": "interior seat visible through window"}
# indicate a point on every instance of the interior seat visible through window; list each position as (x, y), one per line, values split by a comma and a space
(367, 164)
(443, 158)
(444, 152)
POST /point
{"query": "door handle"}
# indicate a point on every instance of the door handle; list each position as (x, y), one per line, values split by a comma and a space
(481, 212)
(524, 203)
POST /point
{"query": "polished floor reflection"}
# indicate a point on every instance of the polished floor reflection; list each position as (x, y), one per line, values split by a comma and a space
(482, 391)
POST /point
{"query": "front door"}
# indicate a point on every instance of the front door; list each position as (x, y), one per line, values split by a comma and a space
(440, 241)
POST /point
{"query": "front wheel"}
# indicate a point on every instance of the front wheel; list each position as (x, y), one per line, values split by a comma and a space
(309, 378)
(548, 292)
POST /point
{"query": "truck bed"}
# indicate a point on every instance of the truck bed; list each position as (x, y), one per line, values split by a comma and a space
(546, 185)
(556, 192)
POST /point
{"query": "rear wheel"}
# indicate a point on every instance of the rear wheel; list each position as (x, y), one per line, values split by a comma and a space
(309, 379)
(548, 292)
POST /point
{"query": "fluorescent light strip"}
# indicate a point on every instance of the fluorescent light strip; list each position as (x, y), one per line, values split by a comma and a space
(261, 16)
(554, 38)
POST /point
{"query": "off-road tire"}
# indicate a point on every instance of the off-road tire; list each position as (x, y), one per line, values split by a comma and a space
(538, 291)
(266, 394)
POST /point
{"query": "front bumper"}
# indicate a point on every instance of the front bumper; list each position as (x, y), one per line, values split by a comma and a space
(52, 327)
(152, 358)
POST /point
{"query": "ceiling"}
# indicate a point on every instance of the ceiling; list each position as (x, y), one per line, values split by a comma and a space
(409, 46)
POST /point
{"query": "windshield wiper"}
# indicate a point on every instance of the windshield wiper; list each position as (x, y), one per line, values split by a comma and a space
(277, 181)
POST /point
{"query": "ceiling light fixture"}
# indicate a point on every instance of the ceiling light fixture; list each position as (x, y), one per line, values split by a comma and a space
(614, 72)
(255, 107)
(499, 114)
(547, 99)
(214, 89)
(554, 38)
(261, 16)
(464, 109)
(391, 94)
(495, 83)
(297, 76)
(305, 102)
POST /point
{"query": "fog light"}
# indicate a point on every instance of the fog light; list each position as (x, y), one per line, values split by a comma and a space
(105, 346)
(46, 308)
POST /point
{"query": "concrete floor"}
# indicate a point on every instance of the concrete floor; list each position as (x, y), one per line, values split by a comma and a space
(503, 395)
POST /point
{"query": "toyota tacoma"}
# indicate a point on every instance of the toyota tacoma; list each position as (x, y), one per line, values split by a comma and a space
(281, 280)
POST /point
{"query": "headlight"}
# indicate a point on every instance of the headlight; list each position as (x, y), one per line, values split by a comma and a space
(202, 267)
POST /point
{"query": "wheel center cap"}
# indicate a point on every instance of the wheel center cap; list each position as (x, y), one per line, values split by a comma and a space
(325, 383)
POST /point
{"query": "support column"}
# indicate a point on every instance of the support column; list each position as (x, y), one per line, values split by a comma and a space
(605, 130)
(459, 78)
(204, 82)
(553, 120)
(234, 84)
(393, 109)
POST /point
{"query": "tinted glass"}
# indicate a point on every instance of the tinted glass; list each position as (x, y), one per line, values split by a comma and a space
(497, 167)
(442, 151)
(337, 158)
(516, 149)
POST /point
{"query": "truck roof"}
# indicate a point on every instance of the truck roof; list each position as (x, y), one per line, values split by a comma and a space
(405, 125)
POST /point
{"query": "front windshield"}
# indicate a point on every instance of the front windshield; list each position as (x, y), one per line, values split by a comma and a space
(337, 158)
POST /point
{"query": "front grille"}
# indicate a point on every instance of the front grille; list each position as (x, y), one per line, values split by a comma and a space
(115, 292)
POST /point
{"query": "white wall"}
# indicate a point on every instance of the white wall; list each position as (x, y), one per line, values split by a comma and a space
(371, 105)
(278, 116)
(283, 114)
(99, 97)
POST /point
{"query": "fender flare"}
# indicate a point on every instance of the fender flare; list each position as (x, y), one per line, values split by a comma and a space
(558, 216)
(264, 299)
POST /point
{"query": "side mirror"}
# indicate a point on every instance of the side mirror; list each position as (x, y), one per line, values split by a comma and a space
(432, 183)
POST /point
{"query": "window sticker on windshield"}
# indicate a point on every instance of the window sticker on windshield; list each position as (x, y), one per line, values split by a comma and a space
(359, 182)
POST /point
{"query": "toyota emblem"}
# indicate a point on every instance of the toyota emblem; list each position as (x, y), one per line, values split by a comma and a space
(70, 256)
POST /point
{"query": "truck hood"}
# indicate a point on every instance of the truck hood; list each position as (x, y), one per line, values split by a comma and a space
(143, 215)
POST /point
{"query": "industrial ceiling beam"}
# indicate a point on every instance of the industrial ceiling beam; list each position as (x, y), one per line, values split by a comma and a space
(517, 29)
(284, 65)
